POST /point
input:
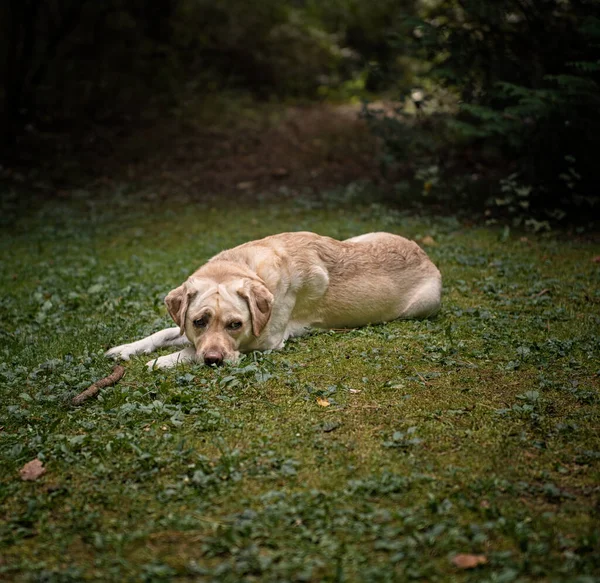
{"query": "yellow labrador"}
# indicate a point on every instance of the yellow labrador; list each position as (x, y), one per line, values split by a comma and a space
(257, 295)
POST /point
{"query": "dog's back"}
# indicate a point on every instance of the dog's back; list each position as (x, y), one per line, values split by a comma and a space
(375, 277)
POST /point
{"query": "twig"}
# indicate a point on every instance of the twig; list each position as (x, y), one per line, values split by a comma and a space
(113, 378)
(541, 293)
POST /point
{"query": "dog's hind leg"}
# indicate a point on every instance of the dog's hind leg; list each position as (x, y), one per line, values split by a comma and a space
(162, 339)
(425, 302)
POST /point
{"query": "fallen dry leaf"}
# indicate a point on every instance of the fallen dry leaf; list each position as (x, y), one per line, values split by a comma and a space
(323, 402)
(596, 259)
(32, 470)
(466, 561)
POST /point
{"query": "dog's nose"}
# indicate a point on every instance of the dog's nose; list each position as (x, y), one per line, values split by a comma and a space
(213, 357)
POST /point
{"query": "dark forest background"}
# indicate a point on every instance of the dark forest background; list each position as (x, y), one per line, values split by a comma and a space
(495, 104)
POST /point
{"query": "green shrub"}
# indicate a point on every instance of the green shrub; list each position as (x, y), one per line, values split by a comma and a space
(274, 47)
(527, 78)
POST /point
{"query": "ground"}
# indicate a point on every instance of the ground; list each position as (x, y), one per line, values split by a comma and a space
(227, 145)
(377, 454)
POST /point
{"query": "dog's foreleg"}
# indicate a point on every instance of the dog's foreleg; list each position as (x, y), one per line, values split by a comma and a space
(295, 329)
(162, 339)
(169, 360)
(282, 325)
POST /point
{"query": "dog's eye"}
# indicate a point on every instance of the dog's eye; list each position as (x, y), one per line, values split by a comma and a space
(235, 325)
(201, 322)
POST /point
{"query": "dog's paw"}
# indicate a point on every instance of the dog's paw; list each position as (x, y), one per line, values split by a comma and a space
(166, 361)
(122, 352)
(169, 360)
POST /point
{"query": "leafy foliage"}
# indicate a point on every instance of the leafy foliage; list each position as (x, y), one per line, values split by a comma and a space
(527, 75)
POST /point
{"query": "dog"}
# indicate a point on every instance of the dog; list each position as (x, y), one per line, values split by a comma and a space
(259, 294)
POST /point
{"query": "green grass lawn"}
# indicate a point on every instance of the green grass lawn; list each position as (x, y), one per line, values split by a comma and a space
(475, 432)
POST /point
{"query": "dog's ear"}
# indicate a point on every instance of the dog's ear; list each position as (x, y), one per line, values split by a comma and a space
(260, 303)
(177, 301)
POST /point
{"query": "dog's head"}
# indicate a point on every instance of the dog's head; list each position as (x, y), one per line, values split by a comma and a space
(221, 320)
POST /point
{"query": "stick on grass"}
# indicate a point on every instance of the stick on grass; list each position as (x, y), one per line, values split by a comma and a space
(113, 378)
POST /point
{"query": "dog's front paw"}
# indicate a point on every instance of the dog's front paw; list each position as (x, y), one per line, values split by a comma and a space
(123, 352)
(170, 360)
(157, 363)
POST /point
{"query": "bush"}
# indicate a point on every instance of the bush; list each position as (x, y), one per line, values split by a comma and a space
(526, 74)
(272, 47)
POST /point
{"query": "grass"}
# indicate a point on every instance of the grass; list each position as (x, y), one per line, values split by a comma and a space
(475, 432)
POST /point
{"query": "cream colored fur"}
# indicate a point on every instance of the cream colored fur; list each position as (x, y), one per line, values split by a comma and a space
(257, 295)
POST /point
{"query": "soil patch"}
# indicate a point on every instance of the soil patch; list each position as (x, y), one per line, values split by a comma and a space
(249, 150)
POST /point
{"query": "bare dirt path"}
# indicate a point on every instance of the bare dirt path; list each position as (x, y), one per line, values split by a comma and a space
(224, 146)
(310, 147)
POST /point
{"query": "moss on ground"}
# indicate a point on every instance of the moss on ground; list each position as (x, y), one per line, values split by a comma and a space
(474, 432)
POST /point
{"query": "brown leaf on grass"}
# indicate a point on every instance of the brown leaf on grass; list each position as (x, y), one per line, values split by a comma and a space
(32, 470)
(466, 561)
(323, 402)
(428, 240)
(596, 259)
